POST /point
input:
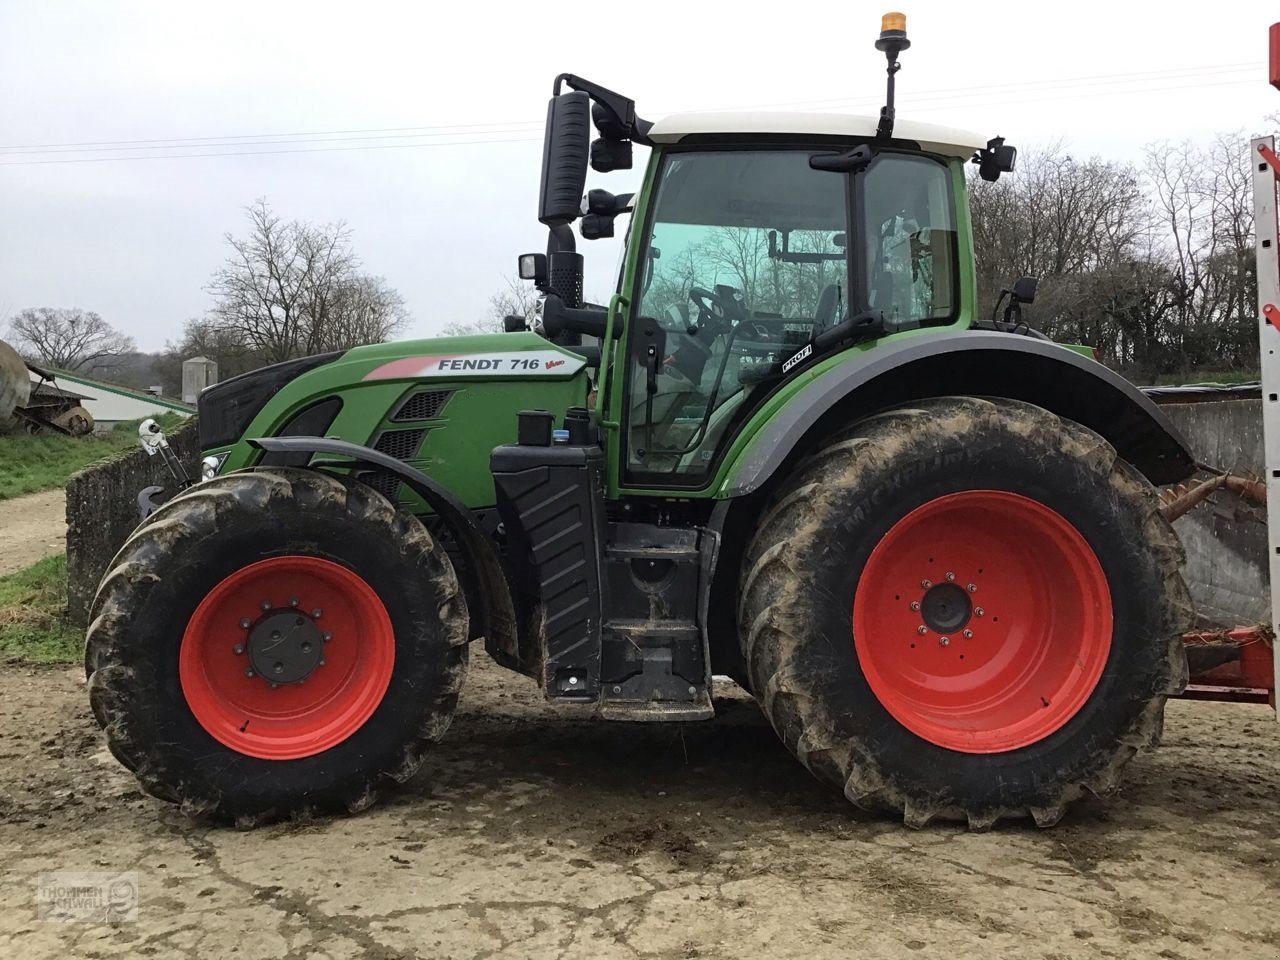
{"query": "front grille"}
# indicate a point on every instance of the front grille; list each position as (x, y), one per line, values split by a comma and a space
(401, 444)
(423, 405)
(385, 482)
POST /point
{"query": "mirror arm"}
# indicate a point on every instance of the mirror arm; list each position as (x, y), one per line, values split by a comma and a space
(624, 108)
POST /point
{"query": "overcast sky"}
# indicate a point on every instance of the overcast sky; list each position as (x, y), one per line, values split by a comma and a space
(443, 217)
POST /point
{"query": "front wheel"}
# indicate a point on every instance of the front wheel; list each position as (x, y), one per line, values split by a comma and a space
(965, 609)
(274, 642)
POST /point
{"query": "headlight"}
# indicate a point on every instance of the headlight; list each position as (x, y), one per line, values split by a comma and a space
(210, 466)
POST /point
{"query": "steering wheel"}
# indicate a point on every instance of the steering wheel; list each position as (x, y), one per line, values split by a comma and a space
(719, 308)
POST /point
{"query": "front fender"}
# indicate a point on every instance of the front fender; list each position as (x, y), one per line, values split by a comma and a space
(963, 363)
(495, 619)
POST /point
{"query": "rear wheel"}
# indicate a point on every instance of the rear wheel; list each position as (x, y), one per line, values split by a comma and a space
(967, 610)
(274, 642)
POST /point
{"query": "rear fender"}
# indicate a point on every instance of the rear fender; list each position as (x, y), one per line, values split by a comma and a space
(973, 364)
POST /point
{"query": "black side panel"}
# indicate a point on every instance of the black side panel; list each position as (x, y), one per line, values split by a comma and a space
(310, 421)
(551, 501)
(227, 408)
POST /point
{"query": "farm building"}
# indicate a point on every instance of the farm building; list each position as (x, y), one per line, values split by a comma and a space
(110, 403)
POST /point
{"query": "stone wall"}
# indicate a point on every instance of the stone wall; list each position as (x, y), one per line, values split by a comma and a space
(102, 510)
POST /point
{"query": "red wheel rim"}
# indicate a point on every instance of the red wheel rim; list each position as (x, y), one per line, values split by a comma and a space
(1026, 654)
(239, 706)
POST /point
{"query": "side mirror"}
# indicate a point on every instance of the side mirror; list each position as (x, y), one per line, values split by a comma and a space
(1024, 289)
(995, 158)
(565, 150)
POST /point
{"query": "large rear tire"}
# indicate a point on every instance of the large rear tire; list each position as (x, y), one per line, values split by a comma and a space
(965, 609)
(273, 643)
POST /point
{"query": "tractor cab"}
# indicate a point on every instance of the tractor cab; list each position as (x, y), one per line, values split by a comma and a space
(761, 245)
(753, 262)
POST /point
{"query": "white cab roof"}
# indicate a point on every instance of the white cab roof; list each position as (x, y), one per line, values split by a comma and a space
(932, 137)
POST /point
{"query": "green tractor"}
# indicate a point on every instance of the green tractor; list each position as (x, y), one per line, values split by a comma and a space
(785, 452)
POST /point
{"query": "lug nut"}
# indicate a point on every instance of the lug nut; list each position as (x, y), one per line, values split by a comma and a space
(249, 672)
(326, 637)
(277, 668)
(275, 634)
(306, 647)
(968, 634)
(238, 648)
(315, 614)
(922, 629)
(293, 601)
(973, 588)
(915, 604)
(265, 605)
(274, 685)
(944, 641)
(245, 623)
(978, 611)
(951, 577)
(926, 584)
(320, 664)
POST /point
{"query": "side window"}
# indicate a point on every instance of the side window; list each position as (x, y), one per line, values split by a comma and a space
(910, 240)
(746, 260)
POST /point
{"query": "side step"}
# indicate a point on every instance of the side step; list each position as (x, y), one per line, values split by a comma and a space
(653, 655)
(612, 613)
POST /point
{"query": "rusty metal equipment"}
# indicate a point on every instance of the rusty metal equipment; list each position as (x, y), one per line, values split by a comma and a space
(41, 405)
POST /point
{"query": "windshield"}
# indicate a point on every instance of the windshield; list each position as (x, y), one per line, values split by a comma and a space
(746, 259)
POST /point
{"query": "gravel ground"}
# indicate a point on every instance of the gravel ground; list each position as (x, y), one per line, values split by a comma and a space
(536, 832)
(32, 527)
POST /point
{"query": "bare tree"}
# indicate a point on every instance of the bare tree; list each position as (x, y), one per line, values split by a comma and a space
(1154, 266)
(516, 298)
(69, 339)
(293, 289)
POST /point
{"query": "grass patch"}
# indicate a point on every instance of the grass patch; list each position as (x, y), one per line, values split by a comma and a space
(44, 462)
(33, 612)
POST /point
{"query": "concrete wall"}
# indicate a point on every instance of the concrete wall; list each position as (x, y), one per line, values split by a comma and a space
(102, 509)
(1226, 538)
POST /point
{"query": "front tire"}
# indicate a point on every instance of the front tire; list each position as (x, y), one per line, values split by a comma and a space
(965, 609)
(275, 642)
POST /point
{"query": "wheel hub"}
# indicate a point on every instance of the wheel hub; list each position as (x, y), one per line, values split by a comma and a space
(982, 621)
(285, 646)
(946, 608)
(277, 679)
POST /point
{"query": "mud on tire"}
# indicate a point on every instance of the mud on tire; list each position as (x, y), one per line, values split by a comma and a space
(803, 567)
(191, 545)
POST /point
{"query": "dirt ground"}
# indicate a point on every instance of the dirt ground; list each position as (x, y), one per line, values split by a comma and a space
(536, 832)
(32, 527)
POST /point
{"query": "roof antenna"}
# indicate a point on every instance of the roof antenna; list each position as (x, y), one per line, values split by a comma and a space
(893, 40)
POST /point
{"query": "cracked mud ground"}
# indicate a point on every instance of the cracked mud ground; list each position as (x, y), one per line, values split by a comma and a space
(536, 832)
